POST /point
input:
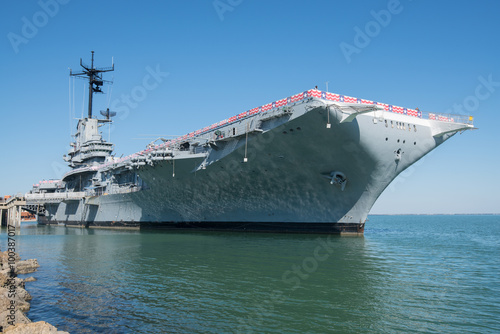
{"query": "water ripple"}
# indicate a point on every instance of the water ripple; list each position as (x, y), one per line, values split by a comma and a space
(413, 274)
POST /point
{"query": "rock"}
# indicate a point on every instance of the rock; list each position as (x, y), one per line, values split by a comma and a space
(19, 317)
(19, 282)
(40, 327)
(23, 294)
(18, 299)
(3, 279)
(26, 266)
(6, 280)
(4, 299)
(5, 272)
(20, 267)
(29, 279)
(4, 259)
(5, 275)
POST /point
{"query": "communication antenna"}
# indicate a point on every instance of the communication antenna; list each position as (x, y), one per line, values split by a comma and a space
(95, 78)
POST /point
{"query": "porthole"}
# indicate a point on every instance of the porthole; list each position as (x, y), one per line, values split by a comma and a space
(414, 143)
(398, 140)
(404, 141)
(386, 139)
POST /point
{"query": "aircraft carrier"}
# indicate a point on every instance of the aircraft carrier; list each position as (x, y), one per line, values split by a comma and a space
(311, 162)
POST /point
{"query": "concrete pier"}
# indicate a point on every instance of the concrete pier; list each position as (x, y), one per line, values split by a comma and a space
(10, 210)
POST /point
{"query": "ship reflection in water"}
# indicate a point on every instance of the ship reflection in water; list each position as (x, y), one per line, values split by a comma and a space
(405, 274)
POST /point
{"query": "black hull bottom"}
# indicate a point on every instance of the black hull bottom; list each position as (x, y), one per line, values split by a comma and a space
(272, 227)
(329, 228)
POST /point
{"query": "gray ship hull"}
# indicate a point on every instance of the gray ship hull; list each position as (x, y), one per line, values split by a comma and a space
(296, 174)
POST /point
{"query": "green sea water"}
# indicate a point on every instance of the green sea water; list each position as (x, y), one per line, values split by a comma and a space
(408, 274)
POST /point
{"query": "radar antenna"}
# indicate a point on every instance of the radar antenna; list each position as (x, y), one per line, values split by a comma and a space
(108, 114)
(95, 79)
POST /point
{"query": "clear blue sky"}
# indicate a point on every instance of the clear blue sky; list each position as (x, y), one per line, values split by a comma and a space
(227, 56)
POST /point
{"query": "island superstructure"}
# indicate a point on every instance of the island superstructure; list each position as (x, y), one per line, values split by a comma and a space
(312, 162)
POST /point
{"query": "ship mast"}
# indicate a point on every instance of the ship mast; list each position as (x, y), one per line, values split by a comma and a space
(95, 78)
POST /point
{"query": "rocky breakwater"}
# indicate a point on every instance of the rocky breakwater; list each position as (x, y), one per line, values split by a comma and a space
(14, 299)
